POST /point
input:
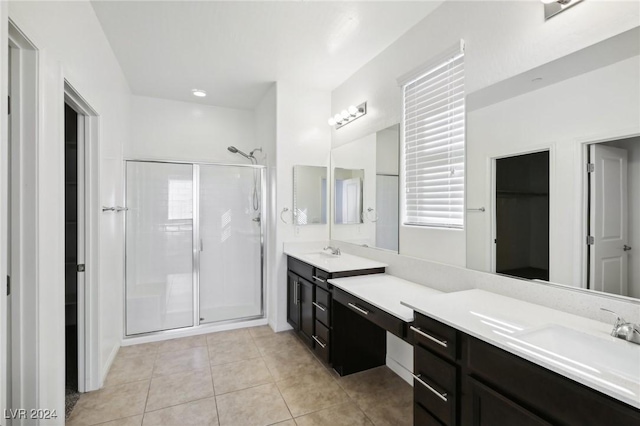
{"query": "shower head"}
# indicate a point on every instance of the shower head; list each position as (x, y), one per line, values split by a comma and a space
(237, 151)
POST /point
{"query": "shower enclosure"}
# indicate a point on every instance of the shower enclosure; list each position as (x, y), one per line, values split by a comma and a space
(194, 244)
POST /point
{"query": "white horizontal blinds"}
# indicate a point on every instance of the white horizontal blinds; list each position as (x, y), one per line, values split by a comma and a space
(434, 136)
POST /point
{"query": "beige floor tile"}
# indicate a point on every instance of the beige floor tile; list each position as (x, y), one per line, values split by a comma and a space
(197, 413)
(128, 421)
(342, 415)
(290, 363)
(230, 351)
(278, 342)
(228, 336)
(289, 422)
(396, 411)
(128, 369)
(369, 386)
(180, 361)
(137, 350)
(110, 403)
(239, 375)
(311, 392)
(166, 391)
(261, 331)
(261, 405)
(182, 343)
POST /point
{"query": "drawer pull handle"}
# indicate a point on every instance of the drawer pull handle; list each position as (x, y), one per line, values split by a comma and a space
(318, 341)
(442, 396)
(318, 279)
(319, 306)
(442, 343)
(359, 309)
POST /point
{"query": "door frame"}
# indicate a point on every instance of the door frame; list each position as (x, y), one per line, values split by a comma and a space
(89, 374)
(24, 144)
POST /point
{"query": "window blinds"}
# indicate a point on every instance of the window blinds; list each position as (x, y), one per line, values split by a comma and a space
(434, 135)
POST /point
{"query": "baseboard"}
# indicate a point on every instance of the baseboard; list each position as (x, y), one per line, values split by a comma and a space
(107, 366)
(397, 368)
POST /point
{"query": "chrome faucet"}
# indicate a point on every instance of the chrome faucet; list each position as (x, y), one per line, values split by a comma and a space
(624, 330)
(334, 250)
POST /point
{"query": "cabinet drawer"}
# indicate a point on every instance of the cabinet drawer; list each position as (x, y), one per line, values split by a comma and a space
(422, 417)
(302, 269)
(320, 278)
(322, 342)
(435, 385)
(371, 313)
(435, 336)
(323, 306)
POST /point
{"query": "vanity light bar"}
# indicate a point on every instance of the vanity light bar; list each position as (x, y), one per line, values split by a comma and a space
(348, 115)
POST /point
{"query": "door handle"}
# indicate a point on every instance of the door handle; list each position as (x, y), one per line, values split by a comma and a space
(626, 248)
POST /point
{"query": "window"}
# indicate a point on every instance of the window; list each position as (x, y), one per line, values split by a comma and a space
(434, 137)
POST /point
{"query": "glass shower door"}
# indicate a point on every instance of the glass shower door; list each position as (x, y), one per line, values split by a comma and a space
(230, 278)
(159, 247)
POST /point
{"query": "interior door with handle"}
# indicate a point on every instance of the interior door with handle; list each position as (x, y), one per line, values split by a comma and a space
(608, 220)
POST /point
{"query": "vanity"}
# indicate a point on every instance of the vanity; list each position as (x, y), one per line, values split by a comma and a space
(310, 296)
(485, 359)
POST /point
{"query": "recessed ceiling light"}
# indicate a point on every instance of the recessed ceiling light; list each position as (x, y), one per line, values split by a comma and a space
(199, 93)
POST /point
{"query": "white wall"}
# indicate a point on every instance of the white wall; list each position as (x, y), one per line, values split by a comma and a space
(173, 130)
(633, 189)
(303, 138)
(503, 39)
(72, 46)
(600, 104)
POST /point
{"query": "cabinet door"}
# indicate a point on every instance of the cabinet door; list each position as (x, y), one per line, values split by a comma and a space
(306, 308)
(293, 301)
(492, 409)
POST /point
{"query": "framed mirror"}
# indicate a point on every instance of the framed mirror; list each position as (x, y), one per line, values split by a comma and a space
(373, 161)
(309, 195)
(553, 171)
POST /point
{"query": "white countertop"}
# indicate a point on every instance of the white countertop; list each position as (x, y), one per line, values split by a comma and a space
(524, 328)
(327, 262)
(385, 292)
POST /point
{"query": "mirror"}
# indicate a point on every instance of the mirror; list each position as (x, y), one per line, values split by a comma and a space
(365, 190)
(553, 171)
(309, 195)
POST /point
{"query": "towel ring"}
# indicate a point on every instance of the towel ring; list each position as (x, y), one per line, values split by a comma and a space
(368, 214)
(284, 210)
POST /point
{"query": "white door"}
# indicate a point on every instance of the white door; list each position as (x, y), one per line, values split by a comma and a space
(608, 220)
(351, 201)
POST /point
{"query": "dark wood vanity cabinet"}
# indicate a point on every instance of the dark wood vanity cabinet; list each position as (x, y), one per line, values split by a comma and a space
(310, 304)
(461, 380)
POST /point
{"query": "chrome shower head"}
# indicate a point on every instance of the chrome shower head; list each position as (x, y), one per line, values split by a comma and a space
(237, 151)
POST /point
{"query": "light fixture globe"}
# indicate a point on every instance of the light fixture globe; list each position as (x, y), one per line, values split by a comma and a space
(331, 121)
(353, 110)
(345, 114)
(337, 118)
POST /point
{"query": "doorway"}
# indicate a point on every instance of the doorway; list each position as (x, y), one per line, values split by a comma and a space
(613, 185)
(74, 247)
(522, 216)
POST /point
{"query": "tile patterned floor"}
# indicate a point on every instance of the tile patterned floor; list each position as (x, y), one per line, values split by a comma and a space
(240, 377)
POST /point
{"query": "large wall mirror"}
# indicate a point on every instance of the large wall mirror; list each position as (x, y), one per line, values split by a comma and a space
(365, 187)
(553, 171)
(309, 195)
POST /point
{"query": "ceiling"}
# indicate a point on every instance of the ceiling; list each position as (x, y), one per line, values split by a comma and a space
(234, 50)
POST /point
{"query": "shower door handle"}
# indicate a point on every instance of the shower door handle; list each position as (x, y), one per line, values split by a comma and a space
(201, 245)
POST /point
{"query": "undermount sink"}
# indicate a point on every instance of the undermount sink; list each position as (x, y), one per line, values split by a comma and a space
(602, 358)
(321, 255)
